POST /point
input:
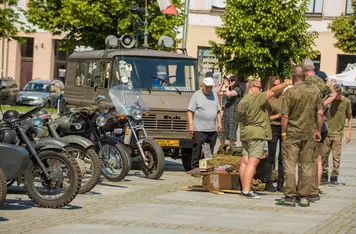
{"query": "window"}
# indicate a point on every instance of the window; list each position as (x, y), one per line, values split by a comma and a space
(37, 87)
(180, 73)
(349, 9)
(317, 62)
(60, 55)
(93, 70)
(343, 60)
(104, 74)
(27, 48)
(79, 74)
(315, 7)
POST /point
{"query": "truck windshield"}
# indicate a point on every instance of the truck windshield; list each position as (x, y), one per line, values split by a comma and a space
(148, 73)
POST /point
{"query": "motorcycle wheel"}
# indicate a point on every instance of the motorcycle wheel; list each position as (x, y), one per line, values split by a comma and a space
(119, 160)
(58, 184)
(155, 159)
(91, 174)
(3, 187)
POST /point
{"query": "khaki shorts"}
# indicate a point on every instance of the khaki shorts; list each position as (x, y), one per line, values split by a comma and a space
(320, 149)
(254, 148)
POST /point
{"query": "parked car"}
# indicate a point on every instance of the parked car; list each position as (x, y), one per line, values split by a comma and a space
(40, 92)
(9, 90)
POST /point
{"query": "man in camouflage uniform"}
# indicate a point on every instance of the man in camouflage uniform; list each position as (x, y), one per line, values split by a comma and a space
(340, 109)
(301, 126)
(326, 96)
(255, 129)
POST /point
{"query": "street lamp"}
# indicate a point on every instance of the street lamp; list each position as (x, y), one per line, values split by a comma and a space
(3, 50)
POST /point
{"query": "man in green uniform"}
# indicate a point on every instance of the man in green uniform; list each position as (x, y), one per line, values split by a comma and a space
(340, 109)
(301, 126)
(255, 129)
(327, 96)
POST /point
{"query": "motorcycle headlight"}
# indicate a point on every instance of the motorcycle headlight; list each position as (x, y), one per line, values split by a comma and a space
(136, 114)
(101, 120)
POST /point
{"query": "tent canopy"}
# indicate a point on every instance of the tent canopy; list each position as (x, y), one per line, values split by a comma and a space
(347, 78)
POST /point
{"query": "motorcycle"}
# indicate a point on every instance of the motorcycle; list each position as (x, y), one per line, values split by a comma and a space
(13, 162)
(79, 147)
(86, 122)
(50, 165)
(128, 126)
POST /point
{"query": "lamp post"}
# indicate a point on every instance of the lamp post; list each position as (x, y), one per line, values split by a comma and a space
(185, 27)
(3, 50)
(145, 44)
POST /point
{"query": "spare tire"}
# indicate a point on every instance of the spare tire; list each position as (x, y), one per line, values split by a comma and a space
(3, 187)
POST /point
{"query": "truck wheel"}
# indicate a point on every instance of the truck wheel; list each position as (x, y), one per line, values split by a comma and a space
(187, 159)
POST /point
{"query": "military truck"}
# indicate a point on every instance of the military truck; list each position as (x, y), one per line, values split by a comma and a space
(146, 69)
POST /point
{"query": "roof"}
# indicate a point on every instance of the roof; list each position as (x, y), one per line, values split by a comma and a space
(40, 81)
(129, 53)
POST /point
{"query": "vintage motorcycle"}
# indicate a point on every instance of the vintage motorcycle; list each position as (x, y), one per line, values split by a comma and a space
(127, 125)
(79, 147)
(50, 165)
(86, 122)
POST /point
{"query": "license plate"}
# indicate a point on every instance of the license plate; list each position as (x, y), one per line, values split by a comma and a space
(168, 142)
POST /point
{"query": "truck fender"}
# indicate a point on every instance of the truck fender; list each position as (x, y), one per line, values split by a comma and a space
(82, 141)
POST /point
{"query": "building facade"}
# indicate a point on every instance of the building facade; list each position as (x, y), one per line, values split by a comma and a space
(38, 57)
(205, 16)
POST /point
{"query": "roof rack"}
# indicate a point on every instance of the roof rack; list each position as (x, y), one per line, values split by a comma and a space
(6, 78)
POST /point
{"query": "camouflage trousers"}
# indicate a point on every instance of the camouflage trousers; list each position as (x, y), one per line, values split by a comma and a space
(302, 153)
(332, 144)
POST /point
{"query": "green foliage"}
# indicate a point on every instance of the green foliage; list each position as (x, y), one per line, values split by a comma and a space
(9, 20)
(344, 29)
(264, 37)
(89, 22)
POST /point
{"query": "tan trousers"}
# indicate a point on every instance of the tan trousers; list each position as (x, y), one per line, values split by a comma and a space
(319, 150)
(334, 144)
(302, 153)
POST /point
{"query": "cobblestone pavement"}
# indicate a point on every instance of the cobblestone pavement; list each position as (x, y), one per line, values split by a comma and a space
(140, 205)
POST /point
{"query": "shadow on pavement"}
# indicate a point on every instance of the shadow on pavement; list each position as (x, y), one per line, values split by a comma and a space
(2, 219)
(20, 204)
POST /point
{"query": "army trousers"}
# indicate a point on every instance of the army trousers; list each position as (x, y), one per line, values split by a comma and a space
(332, 144)
(301, 153)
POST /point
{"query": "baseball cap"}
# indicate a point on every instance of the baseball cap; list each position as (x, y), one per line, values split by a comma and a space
(208, 81)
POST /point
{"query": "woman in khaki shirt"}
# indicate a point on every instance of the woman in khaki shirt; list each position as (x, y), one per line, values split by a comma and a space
(275, 105)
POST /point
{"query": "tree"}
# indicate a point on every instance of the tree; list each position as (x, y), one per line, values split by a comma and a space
(89, 22)
(9, 20)
(264, 37)
(344, 29)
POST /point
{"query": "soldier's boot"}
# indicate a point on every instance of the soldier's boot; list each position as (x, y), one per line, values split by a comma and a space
(333, 180)
(280, 187)
(324, 178)
(270, 187)
(287, 201)
(304, 202)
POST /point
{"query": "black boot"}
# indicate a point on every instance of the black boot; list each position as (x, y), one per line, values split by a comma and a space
(333, 180)
(324, 178)
(280, 185)
(270, 187)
